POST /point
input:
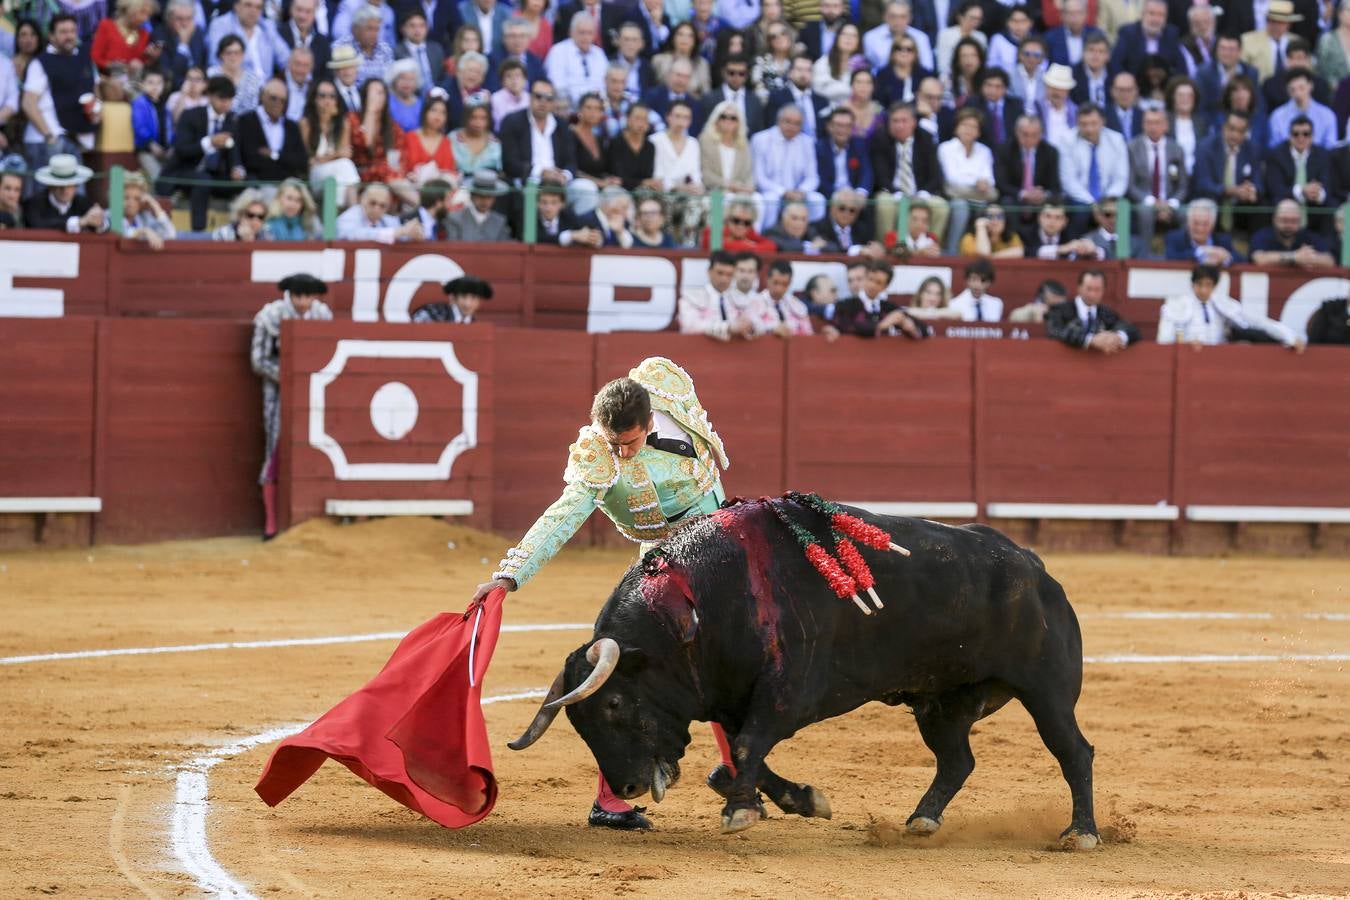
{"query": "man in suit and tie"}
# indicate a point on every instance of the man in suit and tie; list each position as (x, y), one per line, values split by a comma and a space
(1092, 74)
(629, 53)
(1026, 172)
(441, 16)
(1297, 58)
(905, 163)
(1150, 36)
(1084, 323)
(184, 43)
(1198, 242)
(346, 68)
(1228, 169)
(678, 77)
(1000, 111)
(270, 146)
(558, 225)
(735, 88)
(1067, 42)
(1264, 50)
(489, 16)
(206, 147)
(1123, 113)
(524, 130)
(1158, 178)
(1300, 169)
(877, 42)
(420, 48)
(1197, 46)
(842, 160)
(478, 221)
(301, 30)
(798, 92)
(843, 229)
(1214, 76)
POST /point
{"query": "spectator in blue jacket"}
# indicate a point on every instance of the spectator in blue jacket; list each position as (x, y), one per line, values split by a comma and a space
(1198, 242)
(150, 125)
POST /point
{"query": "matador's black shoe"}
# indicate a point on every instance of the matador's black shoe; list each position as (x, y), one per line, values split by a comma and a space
(633, 820)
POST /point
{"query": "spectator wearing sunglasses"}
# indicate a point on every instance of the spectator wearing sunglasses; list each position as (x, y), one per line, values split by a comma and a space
(843, 229)
(1027, 76)
(536, 144)
(1298, 168)
(738, 231)
(247, 214)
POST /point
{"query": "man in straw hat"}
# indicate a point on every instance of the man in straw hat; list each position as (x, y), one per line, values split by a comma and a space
(649, 459)
(299, 300)
(61, 207)
(479, 221)
(1058, 113)
(1264, 48)
(346, 66)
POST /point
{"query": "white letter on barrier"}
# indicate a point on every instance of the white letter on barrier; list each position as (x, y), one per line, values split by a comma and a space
(607, 314)
(274, 265)
(36, 259)
(415, 273)
(366, 286)
(1305, 300)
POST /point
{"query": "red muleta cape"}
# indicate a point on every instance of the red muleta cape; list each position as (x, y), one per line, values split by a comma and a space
(416, 730)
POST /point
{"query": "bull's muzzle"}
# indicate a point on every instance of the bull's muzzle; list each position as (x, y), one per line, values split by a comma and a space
(603, 655)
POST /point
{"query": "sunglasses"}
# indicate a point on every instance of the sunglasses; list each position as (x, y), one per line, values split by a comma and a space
(745, 222)
(1108, 214)
(250, 214)
(995, 217)
(547, 98)
(1301, 132)
(736, 73)
(728, 117)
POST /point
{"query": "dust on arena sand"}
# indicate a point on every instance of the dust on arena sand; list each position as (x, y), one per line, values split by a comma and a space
(1227, 778)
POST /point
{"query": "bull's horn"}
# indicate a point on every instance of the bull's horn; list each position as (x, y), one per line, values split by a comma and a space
(604, 655)
(542, 719)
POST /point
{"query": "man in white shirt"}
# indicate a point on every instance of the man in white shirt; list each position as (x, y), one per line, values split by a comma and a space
(1093, 162)
(1158, 177)
(715, 310)
(56, 122)
(1204, 318)
(299, 74)
(878, 41)
(974, 304)
(369, 220)
(261, 41)
(577, 65)
(785, 166)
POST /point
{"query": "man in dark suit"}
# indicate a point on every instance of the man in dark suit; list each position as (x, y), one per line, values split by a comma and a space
(1297, 56)
(1000, 110)
(270, 145)
(184, 44)
(301, 30)
(629, 54)
(655, 24)
(1123, 113)
(1300, 169)
(842, 160)
(1026, 172)
(1092, 75)
(558, 225)
(1198, 242)
(515, 40)
(420, 48)
(441, 16)
(481, 12)
(843, 230)
(1150, 36)
(818, 36)
(1073, 13)
(1227, 63)
(735, 87)
(518, 162)
(798, 92)
(659, 98)
(905, 163)
(206, 147)
(1085, 324)
(608, 15)
(1212, 178)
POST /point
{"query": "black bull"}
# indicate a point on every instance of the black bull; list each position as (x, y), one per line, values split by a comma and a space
(728, 622)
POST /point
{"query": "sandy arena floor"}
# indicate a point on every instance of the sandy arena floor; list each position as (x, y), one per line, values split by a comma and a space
(1229, 778)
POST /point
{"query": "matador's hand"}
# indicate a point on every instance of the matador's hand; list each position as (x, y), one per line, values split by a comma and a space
(488, 587)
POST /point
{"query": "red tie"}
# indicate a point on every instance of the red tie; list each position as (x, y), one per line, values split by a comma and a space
(1027, 181)
(1157, 171)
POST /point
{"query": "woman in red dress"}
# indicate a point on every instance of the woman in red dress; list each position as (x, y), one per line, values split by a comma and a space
(427, 153)
(124, 40)
(375, 135)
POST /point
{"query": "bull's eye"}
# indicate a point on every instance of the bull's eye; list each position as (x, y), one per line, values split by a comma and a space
(615, 702)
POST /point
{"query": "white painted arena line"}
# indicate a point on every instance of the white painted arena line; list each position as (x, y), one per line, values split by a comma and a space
(1200, 658)
(190, 805)
(256, 645)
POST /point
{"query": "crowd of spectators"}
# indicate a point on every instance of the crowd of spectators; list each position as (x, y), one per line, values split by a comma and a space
(1003, 129)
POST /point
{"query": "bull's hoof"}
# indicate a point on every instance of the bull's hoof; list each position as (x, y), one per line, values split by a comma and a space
(720, 779)
(739, 820)
(820, 804)
(1078, 840)
(923, 826)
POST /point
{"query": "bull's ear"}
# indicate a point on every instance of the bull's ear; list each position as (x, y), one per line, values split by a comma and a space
(681, 619)
(633, 660)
